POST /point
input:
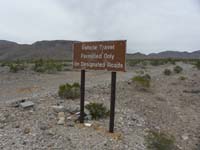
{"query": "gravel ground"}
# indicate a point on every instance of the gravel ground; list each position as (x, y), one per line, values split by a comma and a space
(170, 105)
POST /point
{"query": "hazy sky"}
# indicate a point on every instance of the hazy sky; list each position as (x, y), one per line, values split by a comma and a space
(147, 25)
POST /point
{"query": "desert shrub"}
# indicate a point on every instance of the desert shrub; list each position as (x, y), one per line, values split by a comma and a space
(144, 63)
(3, 64)
(142, 81)
(13, 68)
(171, 61)
(140, 72)
(159, 141)
(167, 72)
(178, 69)
(97, 110)
(69, 91)
(197, 64)
(133, 63)
(47, 66)
(16, 67)
(182, 78)
(158, 62)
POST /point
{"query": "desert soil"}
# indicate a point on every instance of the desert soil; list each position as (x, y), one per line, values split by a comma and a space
(170, 105)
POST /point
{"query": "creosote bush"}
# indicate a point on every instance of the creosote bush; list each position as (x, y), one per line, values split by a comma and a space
(68, 91)
(15, 67)
(167, 72)
(197, 64)
(159, 141)
(178, 69)
(157, 62)
(182, 78)
(97, 110)
(47, 66)
(142, 81)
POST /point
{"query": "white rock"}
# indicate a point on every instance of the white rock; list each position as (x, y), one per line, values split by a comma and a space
(185, 137)
(61, 114)
(88, 124)
(58, 108)
(61, 121)
(27, 104)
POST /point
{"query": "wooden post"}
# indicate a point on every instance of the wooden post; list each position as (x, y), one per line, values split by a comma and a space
(82, 98)
(112, 102)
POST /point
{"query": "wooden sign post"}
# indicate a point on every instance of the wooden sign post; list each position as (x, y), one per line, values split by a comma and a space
(100, 55)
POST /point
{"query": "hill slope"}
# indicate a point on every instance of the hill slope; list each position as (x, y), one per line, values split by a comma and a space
(62, 49)
(58, 49)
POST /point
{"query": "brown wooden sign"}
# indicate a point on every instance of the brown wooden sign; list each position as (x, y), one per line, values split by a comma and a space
(102, 55)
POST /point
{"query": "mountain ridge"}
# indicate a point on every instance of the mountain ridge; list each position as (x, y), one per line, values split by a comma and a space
(62, 50)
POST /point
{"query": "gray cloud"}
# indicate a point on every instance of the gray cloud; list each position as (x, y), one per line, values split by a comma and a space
(148, 26)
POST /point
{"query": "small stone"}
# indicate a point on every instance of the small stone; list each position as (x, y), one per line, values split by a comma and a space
(61, 114)
(58, 108)
(77, 113)
(16, 125)
(27, 104)
(24, 143)
(88, 124)
(185, 137)
(69, 118)
(61, 121)
(70, 124)
(51, 133)
(27, 130)
(86, 102)
(43, 126)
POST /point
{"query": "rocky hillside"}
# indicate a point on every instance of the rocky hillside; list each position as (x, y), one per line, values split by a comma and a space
(58, 49)
(175, 54)
(62, 49)
(166, 54)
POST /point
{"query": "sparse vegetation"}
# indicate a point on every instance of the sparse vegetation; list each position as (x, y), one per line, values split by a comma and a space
(133, 63)
(160, 141)
(182, 78)
(167, 72)
(69, 91)
(47, 66)
(15, 67)
(197, 64)
(157, 62)
(178, 69)
(97, 110)
(142, 81)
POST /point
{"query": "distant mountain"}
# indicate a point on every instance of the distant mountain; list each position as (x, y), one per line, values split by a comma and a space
(175, 54)
(57, 49)
(136, 55)
(62, 49)
(166, 54)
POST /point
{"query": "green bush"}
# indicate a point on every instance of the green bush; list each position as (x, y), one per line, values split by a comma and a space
(133, 63)
(197, 64)
(158, 62)
(16, 67)
(3, 64)
(69, 91)
(159, 141)
(182, 78)
(178, 69)
(171, 61)
(142, 81)
(47, 66)
(97, 110)
(13, 68)
(167, 72)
